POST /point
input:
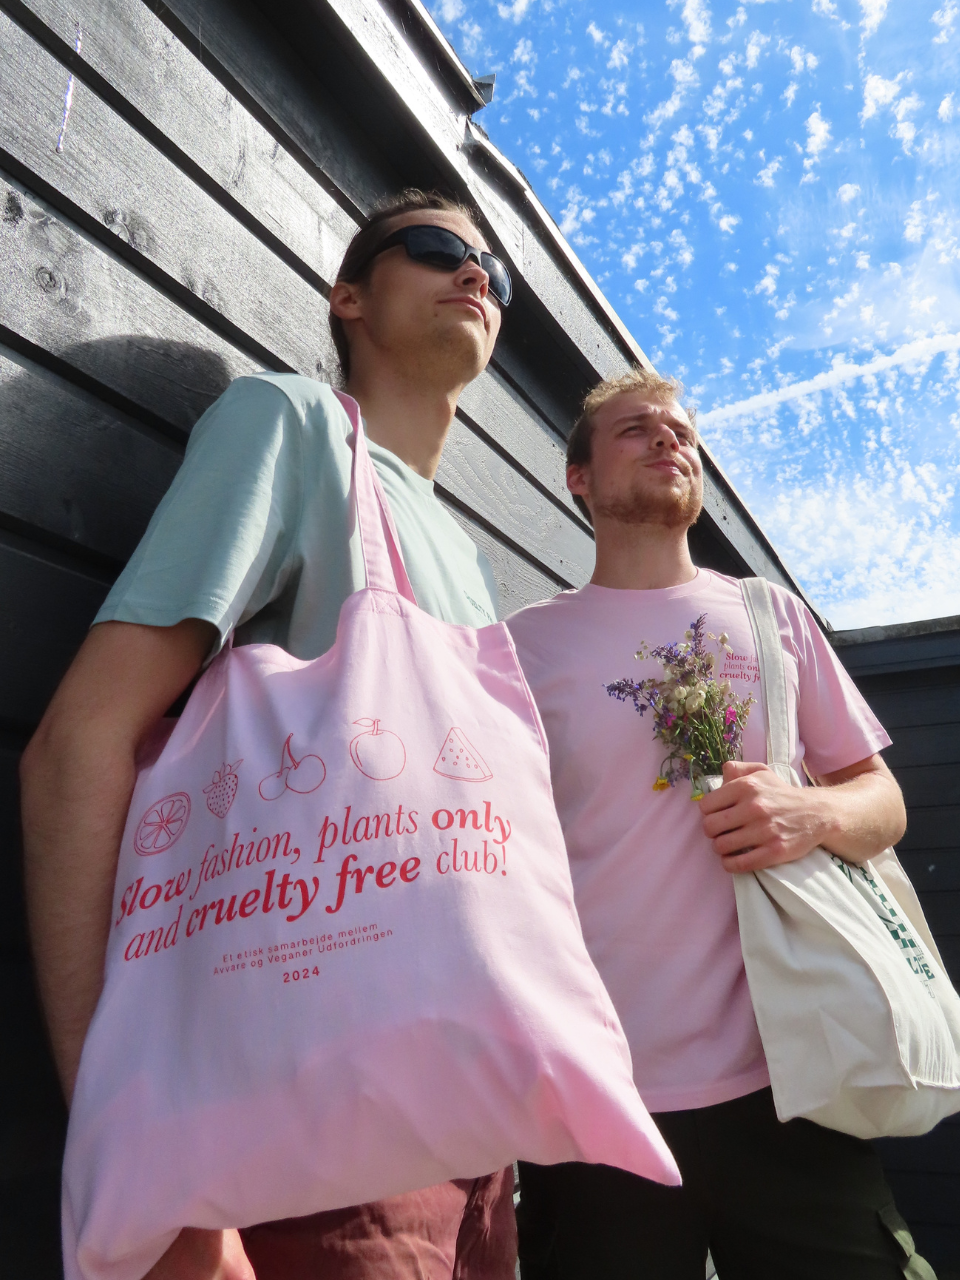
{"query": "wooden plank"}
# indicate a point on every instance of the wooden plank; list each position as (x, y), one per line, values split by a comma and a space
(13, 930)
(108, 171)
(489, 486)
(924, 745)
(247, 53)
(55, 606)
(928, 785)
(32, 1114)
(138, 55)
(84, 305)
(74, 467)
(932, 870)
(518, 582)
(493, 405)
(933, 828)
(919, 707)
(942, 910)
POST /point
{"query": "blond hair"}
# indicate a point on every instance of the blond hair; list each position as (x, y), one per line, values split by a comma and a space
(580, 440)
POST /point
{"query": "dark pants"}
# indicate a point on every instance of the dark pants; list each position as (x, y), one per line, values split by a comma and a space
(461, 1230)
(770, 1201)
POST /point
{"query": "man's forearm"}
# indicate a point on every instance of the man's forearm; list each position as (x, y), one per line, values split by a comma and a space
(860, 816)
(76, 791)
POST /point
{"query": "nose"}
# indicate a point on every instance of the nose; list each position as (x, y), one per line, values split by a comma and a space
(470, 272)
(664, 438)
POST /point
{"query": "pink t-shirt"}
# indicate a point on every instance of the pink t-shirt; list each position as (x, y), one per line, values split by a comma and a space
(657, 908)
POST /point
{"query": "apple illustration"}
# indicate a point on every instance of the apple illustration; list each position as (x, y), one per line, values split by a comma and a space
(378, 753)
(302, 776)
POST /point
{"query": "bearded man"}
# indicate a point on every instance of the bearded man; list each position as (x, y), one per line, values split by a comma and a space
(652, 877)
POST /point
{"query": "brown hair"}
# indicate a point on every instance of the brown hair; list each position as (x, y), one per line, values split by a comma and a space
(358, 259)
(580, 440)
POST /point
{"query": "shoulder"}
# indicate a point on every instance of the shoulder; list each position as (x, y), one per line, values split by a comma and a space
(292, 393)
(272, 411)
(535, 625)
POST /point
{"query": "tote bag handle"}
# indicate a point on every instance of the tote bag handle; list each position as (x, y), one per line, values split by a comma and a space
(773, 676)
(379, 541)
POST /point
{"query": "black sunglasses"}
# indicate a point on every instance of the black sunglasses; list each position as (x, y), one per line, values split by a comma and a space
(445, 250)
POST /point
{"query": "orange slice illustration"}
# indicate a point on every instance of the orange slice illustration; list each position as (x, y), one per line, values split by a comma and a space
(163, 824)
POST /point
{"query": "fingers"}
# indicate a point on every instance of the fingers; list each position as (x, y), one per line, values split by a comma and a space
(741, 768)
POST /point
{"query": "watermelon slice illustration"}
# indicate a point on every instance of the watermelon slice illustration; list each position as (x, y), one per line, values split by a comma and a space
(458, 759)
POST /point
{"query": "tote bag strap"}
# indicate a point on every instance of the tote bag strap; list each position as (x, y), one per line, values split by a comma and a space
(379, 542)
(773, 676)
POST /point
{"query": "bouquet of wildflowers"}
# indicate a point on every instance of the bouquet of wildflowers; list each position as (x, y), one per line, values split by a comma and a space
(699, 719)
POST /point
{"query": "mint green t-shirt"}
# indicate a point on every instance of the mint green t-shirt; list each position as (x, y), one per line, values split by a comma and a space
(257, 531)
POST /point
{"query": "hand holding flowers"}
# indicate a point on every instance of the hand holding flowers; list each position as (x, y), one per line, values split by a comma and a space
(699, 719)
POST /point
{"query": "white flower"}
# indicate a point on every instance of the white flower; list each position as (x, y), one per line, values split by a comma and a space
(695, 699)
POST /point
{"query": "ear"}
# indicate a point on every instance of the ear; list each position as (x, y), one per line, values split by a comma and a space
(578, 479)
(345, 300)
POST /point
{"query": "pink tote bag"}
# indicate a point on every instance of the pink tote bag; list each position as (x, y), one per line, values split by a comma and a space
(344, 959)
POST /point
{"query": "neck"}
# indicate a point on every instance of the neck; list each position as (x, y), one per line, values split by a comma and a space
(641, 557)
(411, 420)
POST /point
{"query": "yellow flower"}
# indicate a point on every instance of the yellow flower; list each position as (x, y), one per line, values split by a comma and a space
(688, 757)
(697, 795)
(661, 784)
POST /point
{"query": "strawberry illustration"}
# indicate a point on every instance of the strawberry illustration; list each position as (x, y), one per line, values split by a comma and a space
(222, 791)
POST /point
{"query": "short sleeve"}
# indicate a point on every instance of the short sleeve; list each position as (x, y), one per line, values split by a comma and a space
(836, 726)
(218, 545)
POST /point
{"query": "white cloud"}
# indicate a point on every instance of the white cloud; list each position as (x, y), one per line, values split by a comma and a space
(913, 225)
(472, 34)
(524, 53)
(877, 93)
(874, 12)
(685, 78)
(595, 34)
(946, 109)
(516, 11)
(789, 93)
(765, 176)
(818, 137)
(727, 223)
(768, 284)
(826, 8)
(754, 48)
(848, 192)
(945, 19)
(451, 10)
(840, 373)
(696, 18)
(619, 55)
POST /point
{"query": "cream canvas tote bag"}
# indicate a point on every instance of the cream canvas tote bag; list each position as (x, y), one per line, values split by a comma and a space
(859, 1022)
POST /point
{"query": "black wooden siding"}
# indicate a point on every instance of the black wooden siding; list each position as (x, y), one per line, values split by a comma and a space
(910, 675)
(217, 157)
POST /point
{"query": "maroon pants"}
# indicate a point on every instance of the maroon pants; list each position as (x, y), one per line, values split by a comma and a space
(463, 1230)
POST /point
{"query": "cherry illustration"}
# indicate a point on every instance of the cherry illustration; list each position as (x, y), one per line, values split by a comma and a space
(301, 776)
(163, 824)
(378, 753)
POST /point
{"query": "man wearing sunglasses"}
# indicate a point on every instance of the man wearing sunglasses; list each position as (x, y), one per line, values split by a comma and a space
(254, 537)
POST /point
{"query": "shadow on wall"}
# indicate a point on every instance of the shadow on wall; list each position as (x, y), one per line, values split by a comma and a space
(84, 476)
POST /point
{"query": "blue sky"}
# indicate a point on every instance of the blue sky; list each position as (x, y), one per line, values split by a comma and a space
(769, 194)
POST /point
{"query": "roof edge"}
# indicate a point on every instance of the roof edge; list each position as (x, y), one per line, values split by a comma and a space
(896, 631)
